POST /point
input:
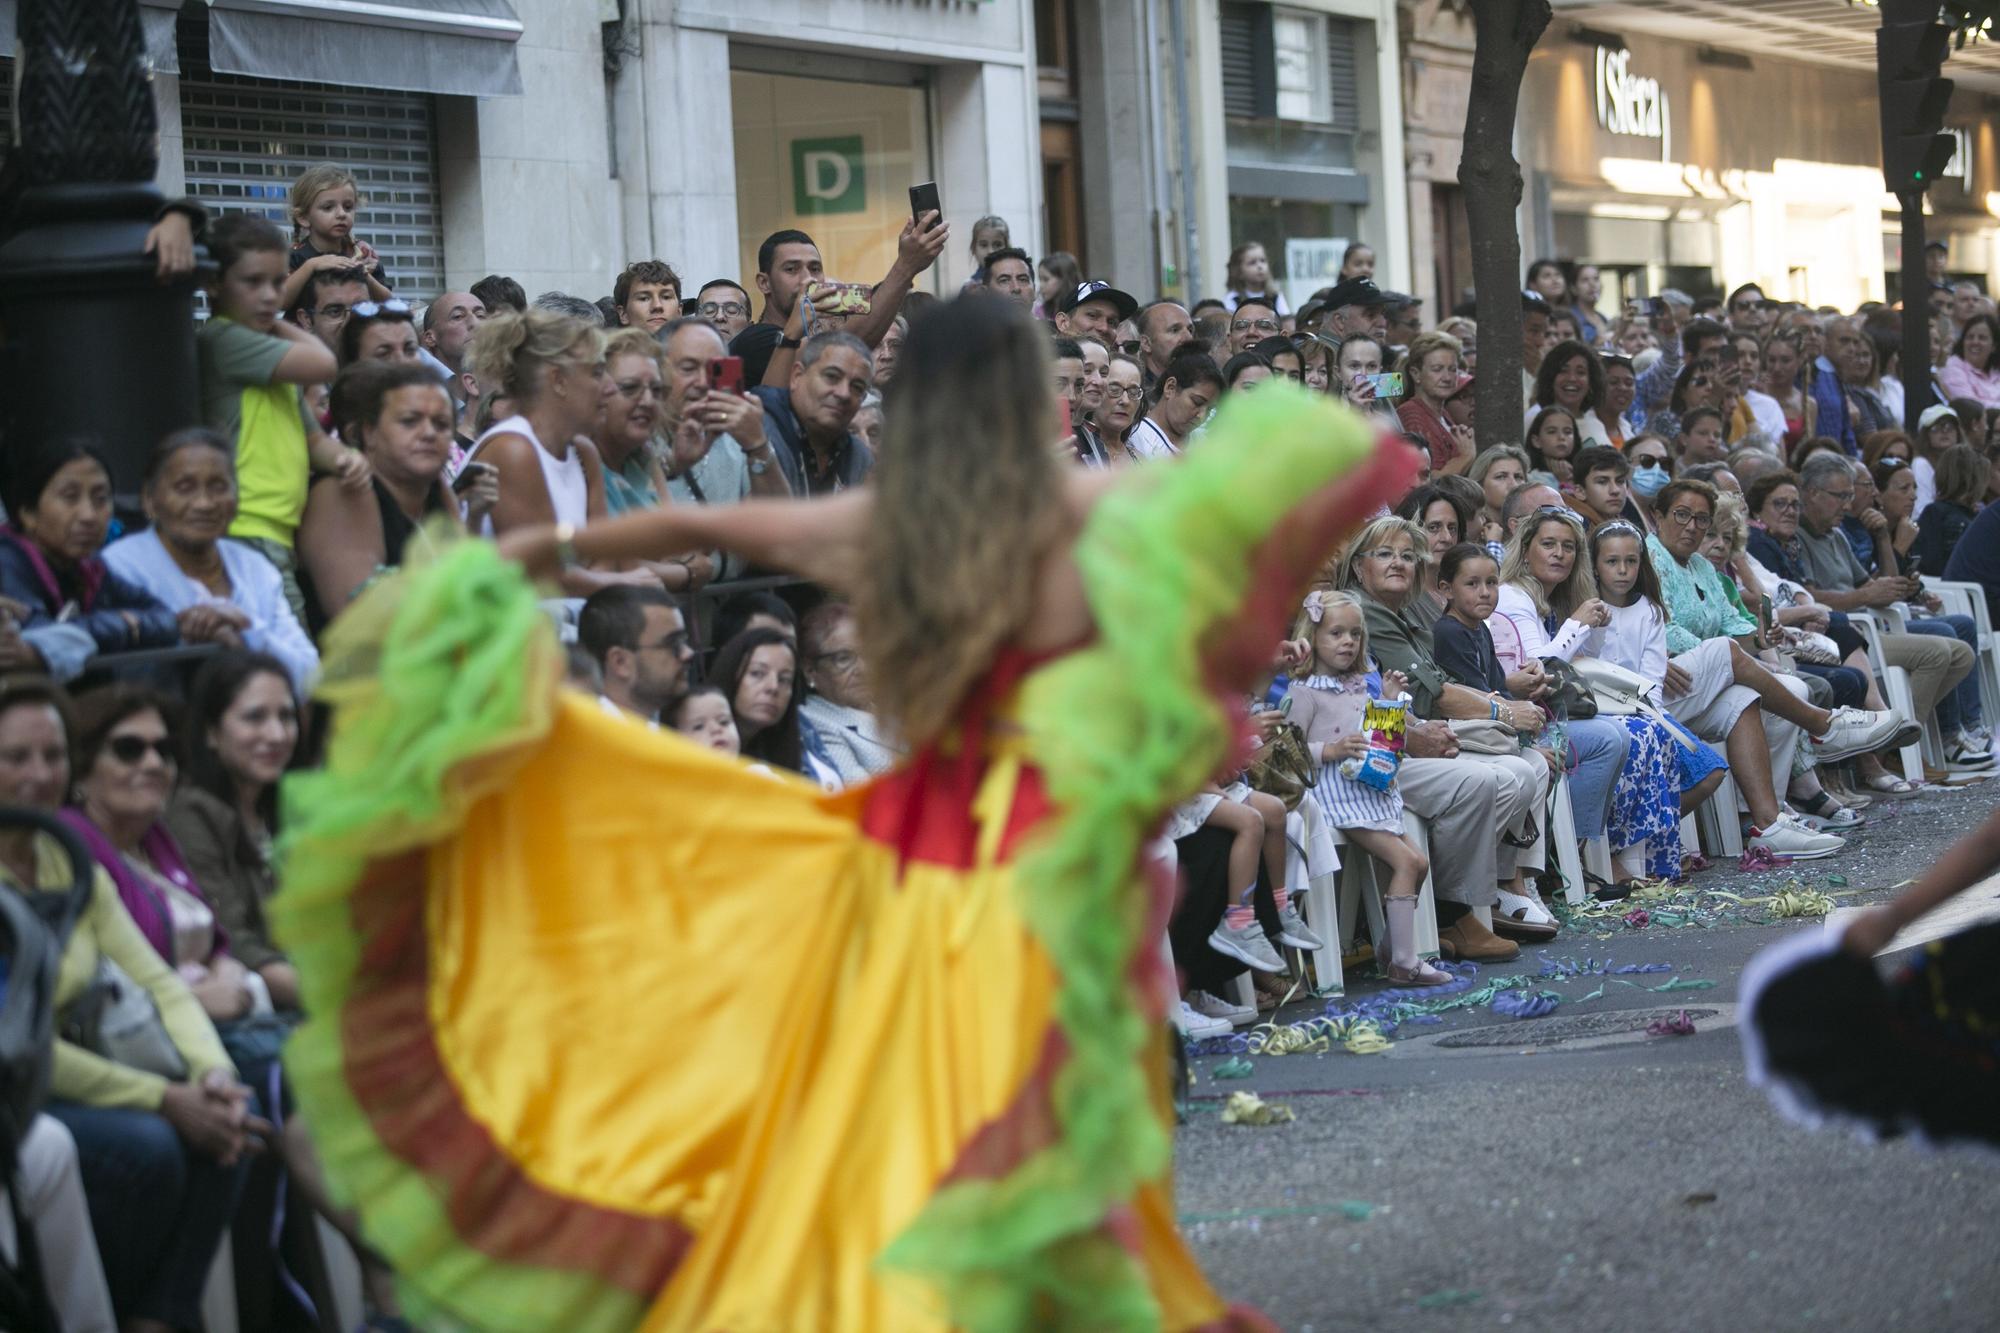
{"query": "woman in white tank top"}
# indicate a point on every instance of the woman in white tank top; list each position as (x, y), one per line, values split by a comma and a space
(552, 368)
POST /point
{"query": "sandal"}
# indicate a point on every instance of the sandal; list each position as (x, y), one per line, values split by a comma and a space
(1891, 785)
(1521, 917)
(1423, 974)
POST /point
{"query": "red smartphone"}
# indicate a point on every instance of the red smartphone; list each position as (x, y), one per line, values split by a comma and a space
(725, 374)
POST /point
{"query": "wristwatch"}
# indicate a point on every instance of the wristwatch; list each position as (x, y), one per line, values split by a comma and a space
(790, 342)
(759, 466)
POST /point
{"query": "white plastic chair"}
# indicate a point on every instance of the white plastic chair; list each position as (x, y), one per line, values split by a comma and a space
(1566, 845)
(1896, 690)
(1718, 822)
(1361, 886)
(1969, 599)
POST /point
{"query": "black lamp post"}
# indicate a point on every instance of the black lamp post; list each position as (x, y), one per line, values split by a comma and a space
(90, 343)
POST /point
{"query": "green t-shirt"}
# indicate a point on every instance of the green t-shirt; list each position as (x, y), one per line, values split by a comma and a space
(267, 421)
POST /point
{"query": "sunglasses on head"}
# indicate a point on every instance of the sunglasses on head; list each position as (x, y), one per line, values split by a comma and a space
(131, 749)
(369, 309)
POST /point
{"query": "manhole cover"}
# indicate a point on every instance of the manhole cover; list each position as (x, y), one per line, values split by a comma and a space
(1572, 1027)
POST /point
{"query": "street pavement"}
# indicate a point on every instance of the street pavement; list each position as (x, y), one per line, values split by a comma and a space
(1555, 1174)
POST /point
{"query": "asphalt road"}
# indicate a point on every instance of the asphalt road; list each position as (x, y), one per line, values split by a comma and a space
(1630, 1183)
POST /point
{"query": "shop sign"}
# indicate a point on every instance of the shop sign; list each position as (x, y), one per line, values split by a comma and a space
(1628, 103)
(827, 176)
(1960, 166)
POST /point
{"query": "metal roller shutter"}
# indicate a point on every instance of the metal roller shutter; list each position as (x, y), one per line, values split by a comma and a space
(246, 140)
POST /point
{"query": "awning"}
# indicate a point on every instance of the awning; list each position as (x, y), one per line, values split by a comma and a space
(157, 16)
(459, 47)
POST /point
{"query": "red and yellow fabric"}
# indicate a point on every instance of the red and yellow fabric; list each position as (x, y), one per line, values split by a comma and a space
(613, 1032)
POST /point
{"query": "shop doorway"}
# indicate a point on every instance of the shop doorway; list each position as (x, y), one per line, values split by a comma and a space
(834, 159)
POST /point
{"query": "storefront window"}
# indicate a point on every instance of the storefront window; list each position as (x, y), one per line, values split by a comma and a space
(835, 160)
(1303, 238)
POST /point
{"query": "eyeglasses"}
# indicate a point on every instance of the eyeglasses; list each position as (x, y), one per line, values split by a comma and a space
(1846, 497)
(1130, 346)
(332, 310)
(675, 643)
(722, 310)
(631, 389)
(1260, 325)
(131, 749)
(845, 659)
(1687, 518)
(393, 306)
(1134, 392)
(1783, 506)
(1650, 460)
(1392, 555)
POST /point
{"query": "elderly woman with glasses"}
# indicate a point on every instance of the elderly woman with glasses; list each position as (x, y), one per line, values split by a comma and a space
(627, 426)
(1719, 691)
(1485, 833)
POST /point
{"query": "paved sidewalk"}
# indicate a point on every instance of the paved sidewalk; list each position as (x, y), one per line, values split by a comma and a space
(1560, 1173)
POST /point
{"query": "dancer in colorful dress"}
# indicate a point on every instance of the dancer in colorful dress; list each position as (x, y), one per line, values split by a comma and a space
(1832, 1042)
(938, 1098)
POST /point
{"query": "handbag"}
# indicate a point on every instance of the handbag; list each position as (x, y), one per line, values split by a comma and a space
(1283, 767)
(1622, 693)
(1484, 735)
(1569, 697)
(116, 1018)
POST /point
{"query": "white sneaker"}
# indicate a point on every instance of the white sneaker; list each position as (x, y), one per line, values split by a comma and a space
(1249, 946)
(1967, 753)
(1854, 732)
(1196, 1027)
(1788, 837)
(1293, 932)
(1214, 1006)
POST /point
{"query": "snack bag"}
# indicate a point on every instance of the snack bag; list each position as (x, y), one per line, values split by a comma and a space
(1384, 724)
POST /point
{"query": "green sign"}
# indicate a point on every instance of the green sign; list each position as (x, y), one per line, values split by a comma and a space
(827, 176)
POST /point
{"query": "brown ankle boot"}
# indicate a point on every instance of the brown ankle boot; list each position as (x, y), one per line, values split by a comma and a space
(1467, 938)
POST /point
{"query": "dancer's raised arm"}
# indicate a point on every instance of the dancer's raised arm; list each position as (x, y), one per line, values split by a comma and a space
(815, 539)
(1971, 859)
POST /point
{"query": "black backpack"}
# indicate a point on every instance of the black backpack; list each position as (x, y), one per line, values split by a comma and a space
(34, 928)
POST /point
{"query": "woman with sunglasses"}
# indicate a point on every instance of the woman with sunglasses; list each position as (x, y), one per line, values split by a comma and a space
(380, 331)
(163, 1158)
(1715, 688)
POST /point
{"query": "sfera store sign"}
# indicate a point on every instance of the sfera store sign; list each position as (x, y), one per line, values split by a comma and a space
(1629, 103)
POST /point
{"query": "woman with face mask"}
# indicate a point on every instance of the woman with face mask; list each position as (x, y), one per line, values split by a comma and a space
(1652, 468)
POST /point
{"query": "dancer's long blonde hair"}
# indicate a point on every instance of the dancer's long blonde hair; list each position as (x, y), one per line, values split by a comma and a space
(968, 497)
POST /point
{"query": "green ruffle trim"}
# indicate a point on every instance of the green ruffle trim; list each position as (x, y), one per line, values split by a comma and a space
(440, 675)
(1121, 730)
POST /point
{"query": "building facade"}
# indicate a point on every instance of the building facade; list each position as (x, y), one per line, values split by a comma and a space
(1698, 146)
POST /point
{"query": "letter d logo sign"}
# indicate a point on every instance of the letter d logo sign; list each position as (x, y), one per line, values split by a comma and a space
(828, 177)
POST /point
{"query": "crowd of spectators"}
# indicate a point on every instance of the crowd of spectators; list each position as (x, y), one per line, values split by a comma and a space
(1710, 495)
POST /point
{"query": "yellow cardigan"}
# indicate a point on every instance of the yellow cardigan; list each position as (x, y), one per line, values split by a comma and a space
(106, 929)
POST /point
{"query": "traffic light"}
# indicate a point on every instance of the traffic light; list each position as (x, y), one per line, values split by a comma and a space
(1913, 96)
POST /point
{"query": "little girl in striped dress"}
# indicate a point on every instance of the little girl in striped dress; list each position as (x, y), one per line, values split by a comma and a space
(1328, 704)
